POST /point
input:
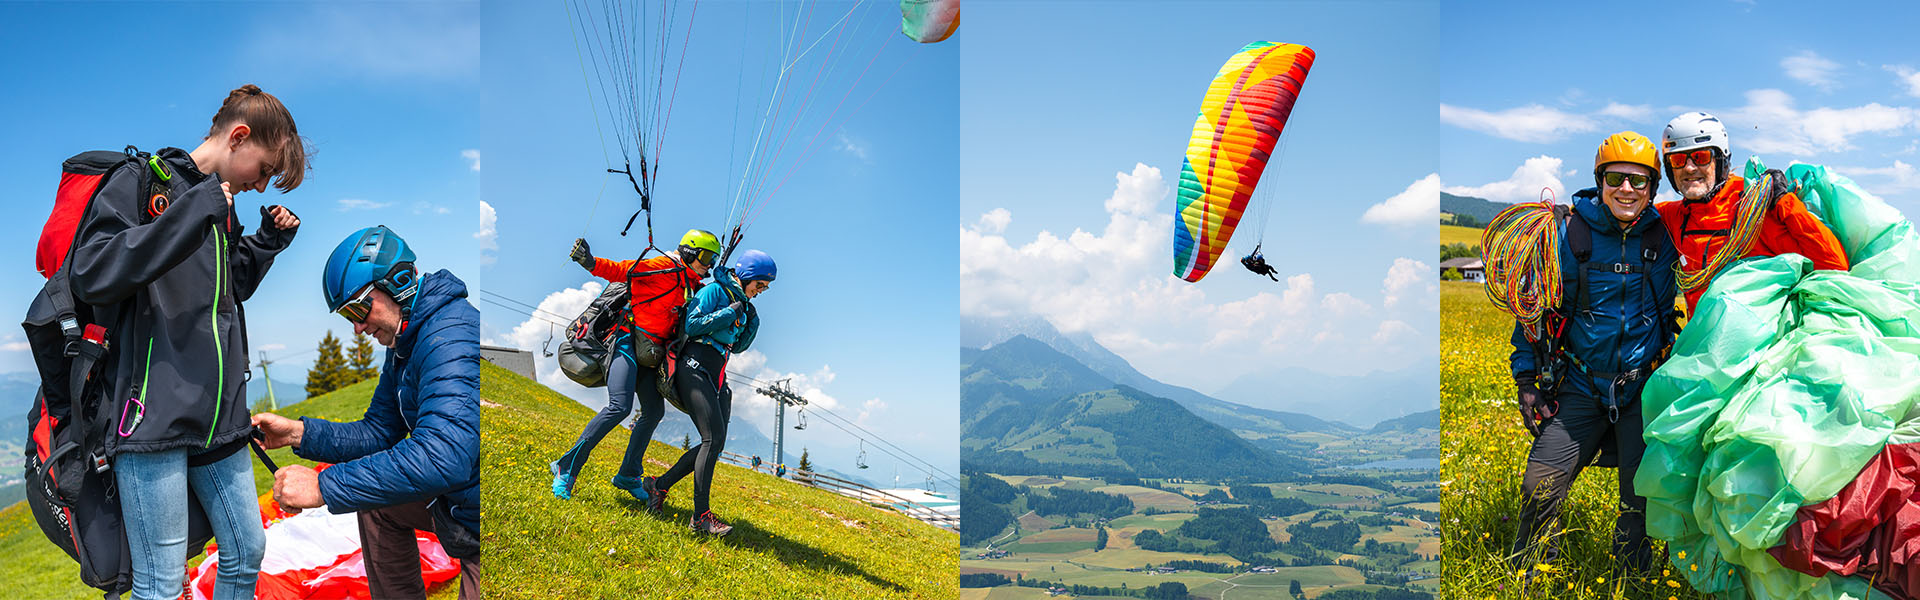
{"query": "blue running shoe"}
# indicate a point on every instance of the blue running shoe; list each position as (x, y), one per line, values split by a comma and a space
(633, 485)
(562, 483)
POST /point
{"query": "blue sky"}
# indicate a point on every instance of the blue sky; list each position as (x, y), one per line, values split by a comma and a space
(386, 93)
(1525, 100)
(1076, 117)
(862, 316)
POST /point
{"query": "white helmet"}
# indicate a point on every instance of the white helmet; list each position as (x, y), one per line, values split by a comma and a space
(1695, 130)
(1692, 131)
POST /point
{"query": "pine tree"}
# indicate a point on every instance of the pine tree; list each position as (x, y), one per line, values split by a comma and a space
(360, 359)
(328, 370)
(686, 442)
(805, 464)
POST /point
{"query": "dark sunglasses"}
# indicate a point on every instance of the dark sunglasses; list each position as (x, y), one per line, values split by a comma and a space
(357, 309)
(1678, 160)
(1613, 179)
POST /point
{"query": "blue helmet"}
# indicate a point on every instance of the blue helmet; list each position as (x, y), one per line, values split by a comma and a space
(754, 265)
(373, 256)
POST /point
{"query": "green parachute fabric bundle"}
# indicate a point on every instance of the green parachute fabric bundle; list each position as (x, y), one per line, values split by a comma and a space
(1782, 386)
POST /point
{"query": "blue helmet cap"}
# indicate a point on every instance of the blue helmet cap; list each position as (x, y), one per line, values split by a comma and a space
(754, 265)
(372, 256)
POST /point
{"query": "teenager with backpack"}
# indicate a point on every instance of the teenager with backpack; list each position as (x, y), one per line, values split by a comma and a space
(163, 264)
(1618, 320)
(720, 322)
(413, 460)
(658, 289)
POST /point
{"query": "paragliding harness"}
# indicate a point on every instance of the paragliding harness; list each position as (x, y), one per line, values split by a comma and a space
(1258, 264)
(679, 343)
(1557, 363)
(70, 485)
(592, 337)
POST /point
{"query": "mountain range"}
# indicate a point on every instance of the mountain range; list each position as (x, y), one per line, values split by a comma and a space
(1028, 408)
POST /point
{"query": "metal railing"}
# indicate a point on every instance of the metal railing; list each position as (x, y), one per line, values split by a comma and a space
(854, 490)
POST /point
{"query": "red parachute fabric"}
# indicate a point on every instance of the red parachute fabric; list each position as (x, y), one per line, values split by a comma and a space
(315, 555)
(1871, 529)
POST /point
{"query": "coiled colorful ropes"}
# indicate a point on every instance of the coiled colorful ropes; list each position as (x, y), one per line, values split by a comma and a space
(1755, 202)
(1521, 249)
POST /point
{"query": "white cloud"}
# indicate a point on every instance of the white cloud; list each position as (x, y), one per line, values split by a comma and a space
(994, 221)
(869, 409)
(1116, 284)
(1812, 69)
(271, 347)
(487, 233)
(1530, 123)
(1391, 331)
(1407, 276)
(1900, 177)
(549, 322)
(1635, 112)
(1770, 123)
(347, 204)
(14, 347)
(1418, 204)
(851, 146)
(1523, 185)
(422, 207)
(473, 158)
(1909, 78)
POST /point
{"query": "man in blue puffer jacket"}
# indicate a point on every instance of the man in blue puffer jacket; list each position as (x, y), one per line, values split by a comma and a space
(412, 462)
(1618, 309)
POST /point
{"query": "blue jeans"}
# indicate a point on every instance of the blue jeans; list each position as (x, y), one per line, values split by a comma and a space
(626, 381)
(153, 501)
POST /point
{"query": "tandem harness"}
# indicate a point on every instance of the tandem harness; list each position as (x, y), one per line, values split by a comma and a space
(1555, 363)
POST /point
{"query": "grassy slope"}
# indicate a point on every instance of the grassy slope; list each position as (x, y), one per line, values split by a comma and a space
(1483, 450)
(789, 540)
(1455, 234)
(35, 568)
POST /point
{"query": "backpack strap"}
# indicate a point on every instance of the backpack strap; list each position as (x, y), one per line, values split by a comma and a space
(1580, 241)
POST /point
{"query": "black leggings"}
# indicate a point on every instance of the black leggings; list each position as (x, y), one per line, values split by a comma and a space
(697, 378)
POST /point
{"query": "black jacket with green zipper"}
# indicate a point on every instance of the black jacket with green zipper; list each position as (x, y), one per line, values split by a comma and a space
(168, 287)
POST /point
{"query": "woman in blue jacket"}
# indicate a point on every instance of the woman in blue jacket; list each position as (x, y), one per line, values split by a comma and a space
(721, 321)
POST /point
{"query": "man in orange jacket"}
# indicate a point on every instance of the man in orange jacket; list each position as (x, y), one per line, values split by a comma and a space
(659, 288)
(1697, 165)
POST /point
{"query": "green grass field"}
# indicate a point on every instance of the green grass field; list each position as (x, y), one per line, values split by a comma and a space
(35, 568)
(789, 540)
(1455, 234)
(1483, 451)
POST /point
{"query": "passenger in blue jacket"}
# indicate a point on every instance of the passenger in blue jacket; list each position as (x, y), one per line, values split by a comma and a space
(720, 321)
(412, 462)
(1583, 397)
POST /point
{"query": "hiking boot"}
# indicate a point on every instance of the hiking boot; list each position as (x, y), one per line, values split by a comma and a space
(709, 524)
(633, 485)
(562, 482)
(656, 497)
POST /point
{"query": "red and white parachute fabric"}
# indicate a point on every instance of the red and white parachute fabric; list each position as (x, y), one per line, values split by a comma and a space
(315, 555)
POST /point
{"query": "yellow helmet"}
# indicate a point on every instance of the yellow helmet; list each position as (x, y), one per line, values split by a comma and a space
(1628, 147)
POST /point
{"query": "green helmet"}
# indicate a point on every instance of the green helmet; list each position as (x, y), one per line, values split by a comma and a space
(700, 245)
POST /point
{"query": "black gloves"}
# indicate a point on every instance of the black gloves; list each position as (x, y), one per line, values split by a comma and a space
(1781, 185)
(581, 254)
(1535, 407)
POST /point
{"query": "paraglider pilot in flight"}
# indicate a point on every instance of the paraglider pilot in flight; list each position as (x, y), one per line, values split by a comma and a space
(1258, 264)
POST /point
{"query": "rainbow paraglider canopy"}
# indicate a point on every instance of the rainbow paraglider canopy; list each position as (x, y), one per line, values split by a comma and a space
(1242, 115)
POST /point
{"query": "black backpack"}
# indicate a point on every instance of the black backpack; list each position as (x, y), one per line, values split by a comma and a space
(583, 356)
(69, 479)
